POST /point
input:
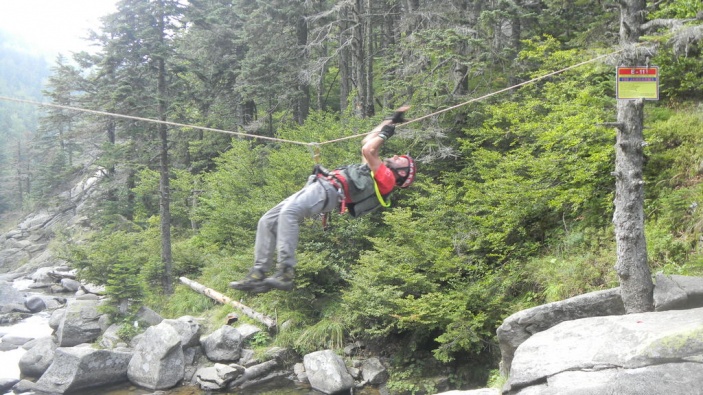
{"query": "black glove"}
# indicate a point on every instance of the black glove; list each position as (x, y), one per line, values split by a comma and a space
(387, 131)
(398, 117)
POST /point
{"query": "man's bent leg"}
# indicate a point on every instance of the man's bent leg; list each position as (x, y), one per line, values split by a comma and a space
(264, 248)
(311, 201)
(267, 236)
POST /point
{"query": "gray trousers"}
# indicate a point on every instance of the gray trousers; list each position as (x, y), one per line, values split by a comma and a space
(278, 229)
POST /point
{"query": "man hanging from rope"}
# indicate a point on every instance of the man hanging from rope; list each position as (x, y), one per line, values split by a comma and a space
(357, 189)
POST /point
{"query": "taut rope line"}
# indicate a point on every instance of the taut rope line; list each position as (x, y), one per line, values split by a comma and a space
(149, 120)
(312, 145)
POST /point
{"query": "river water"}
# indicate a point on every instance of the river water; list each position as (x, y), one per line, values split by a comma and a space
(38, 326)
(33, 327)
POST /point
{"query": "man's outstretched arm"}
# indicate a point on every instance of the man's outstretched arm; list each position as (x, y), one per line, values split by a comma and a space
(371, 144)
(370, 150)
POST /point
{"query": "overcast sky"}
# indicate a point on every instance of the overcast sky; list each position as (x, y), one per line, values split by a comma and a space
(52, 26)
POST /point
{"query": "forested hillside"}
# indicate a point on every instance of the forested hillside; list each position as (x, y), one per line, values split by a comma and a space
(514, 198)
(22, 76)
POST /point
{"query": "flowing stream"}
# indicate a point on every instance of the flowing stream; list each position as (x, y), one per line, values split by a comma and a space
(34, 326)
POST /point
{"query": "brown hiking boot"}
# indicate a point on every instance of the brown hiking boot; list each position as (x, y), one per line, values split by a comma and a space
(283, 279)
(253, 280)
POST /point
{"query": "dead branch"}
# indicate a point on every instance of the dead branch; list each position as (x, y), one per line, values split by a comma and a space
(212, 294)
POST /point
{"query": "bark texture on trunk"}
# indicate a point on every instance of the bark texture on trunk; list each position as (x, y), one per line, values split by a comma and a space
(636, 286)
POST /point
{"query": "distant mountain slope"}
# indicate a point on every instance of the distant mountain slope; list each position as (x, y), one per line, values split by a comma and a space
(22, 76)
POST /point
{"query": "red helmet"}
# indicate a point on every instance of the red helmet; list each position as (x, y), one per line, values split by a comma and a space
(405, 182)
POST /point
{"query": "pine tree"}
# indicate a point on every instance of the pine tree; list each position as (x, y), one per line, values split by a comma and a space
(134, 72)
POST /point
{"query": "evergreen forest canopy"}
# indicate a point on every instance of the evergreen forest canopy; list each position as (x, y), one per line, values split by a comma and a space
(513, 203)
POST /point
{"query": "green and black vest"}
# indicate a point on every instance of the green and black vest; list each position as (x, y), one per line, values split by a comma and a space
(361, 189)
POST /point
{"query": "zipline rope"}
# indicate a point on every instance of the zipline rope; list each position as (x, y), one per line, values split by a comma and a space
(149, 120)
(312, 145)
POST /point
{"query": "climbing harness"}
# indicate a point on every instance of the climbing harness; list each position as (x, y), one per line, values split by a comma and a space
(320, 172)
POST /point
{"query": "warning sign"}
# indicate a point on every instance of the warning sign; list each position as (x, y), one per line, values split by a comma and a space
(638, 83)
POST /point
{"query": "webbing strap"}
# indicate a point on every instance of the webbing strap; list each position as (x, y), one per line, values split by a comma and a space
(378, 193)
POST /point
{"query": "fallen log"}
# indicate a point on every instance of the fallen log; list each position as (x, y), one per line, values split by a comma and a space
(212, 294)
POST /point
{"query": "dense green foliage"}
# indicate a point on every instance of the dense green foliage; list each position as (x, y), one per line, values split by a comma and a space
(513, 202)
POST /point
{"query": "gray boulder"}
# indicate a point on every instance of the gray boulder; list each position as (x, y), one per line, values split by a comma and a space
(7, 346)
(24, 386)
(7, 384)
(254, 372)
(16, 340)
(223, 345)
(94, 289)
(647, 353)
(35, 304)
(158, 361)
(248, 358)
(248, 331)
(38, 358)
(85, 296)
(83, 367)
(10, 295)
(677, 292)
(373, 371)
(79, 323)
(482, 391)
(14, 308)
(188, 328)
(518, 327)
(148, 316)
(194, 360)
(215, 378)
(110, 338)
(43, 275)
(327, 373)
(670, 379)
(299, 371)
(275, 379)
(53, 302)
(70, 285)
(56, 317)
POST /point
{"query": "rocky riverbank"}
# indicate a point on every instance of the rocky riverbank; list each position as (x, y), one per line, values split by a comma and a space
(86, 351)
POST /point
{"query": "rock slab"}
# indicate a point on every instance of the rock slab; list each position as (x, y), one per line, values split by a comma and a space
(596, 355)
(79, 368)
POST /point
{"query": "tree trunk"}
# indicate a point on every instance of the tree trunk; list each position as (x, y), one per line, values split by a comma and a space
(110, 130)
(368, 60)
(303, 101)
(20, 188)
(248, 112)
(358, 61)
(345, 74)
(636, 285)
(164, 184)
